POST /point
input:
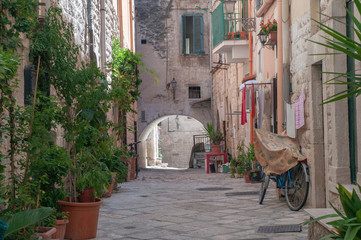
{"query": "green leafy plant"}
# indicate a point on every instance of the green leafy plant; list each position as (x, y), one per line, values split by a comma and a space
(346, 45)
(268, 27)
(215, 136)
(243, 161)
(348, 225)
(24, 219)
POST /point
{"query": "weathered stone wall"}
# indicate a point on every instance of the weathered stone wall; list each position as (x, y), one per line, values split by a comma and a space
(176, 139)
(163, 53)
(76, 12)
(324, 138)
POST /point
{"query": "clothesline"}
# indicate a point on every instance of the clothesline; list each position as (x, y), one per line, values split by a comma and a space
(252, 83)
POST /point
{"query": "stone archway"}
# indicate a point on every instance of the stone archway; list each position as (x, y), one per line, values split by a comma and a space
(168, 141)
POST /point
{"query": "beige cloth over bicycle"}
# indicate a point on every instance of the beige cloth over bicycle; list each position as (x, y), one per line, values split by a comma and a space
(276, 153)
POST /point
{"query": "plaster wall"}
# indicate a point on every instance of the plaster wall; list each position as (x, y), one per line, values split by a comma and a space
(163, 53)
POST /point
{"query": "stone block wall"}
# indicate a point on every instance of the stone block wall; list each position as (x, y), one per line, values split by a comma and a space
(176, 139)
(76, 13)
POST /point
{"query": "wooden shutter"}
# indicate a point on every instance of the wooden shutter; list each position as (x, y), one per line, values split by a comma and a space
(184, 34)
(198, 34)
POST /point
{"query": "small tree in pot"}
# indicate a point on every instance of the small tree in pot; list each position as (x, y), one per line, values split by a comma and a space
(215, 137)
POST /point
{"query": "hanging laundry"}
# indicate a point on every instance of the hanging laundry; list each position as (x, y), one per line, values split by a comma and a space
(291, 121)
(243, 110)
(300, 111)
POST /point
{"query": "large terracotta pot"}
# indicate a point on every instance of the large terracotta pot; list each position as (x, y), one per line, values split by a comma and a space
(87, 195)
(216, 148)
(83, 219)
(60, 226)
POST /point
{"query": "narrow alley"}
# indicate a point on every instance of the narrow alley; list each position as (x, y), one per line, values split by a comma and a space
(190, 204)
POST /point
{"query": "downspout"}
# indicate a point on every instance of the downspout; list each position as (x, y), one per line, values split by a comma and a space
(211, 58)
(167, 40)
(90, 31)
(279, 68)
(102, 35)
(250, 70)
(250, 50)
(120, 14)
(286, 50)
(131, 25)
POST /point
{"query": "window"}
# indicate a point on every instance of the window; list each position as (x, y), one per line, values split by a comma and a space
(192, 35)
(194, 92)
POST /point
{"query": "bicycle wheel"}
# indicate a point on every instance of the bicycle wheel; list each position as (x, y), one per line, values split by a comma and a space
(264, 186)
(297, 188)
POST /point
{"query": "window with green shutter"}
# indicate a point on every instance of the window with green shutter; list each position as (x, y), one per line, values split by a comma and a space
(192, 35)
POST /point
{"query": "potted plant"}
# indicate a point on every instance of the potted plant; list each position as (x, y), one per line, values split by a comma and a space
(270, 29)
(215, 137)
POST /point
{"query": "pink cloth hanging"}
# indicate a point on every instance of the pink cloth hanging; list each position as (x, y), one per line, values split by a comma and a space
(300, 111)
(243, 106)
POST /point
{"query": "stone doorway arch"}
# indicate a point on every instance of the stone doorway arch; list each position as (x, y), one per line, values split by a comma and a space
(168, 140)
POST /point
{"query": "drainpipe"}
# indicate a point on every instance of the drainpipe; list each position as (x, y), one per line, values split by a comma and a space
(120, 14)
(279, 68)
(286, 50)
(90, 31)
(102, 35)
(131, 25)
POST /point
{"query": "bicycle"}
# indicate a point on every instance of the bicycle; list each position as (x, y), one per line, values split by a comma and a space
(295, 182)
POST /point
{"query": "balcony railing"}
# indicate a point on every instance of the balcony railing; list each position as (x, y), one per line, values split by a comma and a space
(234, 26)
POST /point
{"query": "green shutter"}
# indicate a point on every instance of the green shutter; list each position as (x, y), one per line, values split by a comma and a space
(183, 34)
(198, 34)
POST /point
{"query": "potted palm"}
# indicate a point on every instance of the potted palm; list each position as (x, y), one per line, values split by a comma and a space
(215, 137)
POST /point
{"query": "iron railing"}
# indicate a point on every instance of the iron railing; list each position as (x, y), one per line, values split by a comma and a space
(231, 26)
(201, 139)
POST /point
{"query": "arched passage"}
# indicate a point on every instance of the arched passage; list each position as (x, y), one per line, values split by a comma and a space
(168, 140)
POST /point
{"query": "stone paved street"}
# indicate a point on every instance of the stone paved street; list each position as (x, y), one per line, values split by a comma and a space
(167, 204)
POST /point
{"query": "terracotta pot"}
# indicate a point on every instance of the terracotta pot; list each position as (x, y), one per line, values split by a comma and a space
(46, 232)
(132, 169)
(87, 195)
(216, 148)
(246, 177)
(60, 226)
(83, 219)
(272, 37)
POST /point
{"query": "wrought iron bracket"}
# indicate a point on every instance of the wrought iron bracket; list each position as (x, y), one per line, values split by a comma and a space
(249, 24)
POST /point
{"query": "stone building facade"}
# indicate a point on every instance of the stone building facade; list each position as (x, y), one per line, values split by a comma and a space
(324, 139)
(162, 29)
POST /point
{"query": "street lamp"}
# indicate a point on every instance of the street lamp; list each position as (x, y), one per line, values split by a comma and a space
(173, 85)
(262, 37)
(229, 6)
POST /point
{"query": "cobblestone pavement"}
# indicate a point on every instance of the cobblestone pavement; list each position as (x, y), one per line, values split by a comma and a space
(190, 204)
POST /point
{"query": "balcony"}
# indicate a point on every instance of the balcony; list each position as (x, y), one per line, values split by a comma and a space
(230, 31)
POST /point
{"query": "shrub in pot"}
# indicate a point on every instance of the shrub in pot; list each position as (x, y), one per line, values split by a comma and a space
(215, 137)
